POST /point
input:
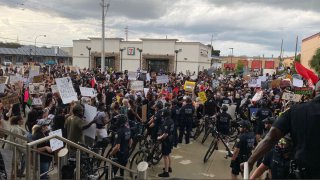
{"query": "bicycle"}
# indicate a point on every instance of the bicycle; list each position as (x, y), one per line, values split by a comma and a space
(209, 125)
(214, 144)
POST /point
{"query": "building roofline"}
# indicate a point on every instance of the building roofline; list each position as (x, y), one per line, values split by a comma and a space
(151, 39)
(121, 39)
(310, 37)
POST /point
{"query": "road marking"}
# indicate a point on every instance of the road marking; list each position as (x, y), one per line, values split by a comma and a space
(208, 175)
(185, 162)
(177, 157)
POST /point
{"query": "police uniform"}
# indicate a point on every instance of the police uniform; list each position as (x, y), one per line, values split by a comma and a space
(262, 114)
(303, 123)
(167, 128)
(245, 143)
(122, 137)
(157, 124)
(210, 107)
(175, 116)
(223, 122)
(186, 113)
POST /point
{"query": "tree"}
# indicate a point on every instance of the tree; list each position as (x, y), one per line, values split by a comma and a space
(240, 67)
(315, 61)
(9, 45)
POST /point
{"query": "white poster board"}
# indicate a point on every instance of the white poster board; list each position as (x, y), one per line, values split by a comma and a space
(148, 77)
(36, 102)
(37, 88)
(89, 113)
(262, 78)
(132, 76)
(145, 90)
(291, 97)
(254, 82)
(297, 82)
(15, 78)
(54, 89)
(136, 85)
(66, 90)
(162, 79)
(257, 96)
(88, 92)
(56, 144)
(2, 88)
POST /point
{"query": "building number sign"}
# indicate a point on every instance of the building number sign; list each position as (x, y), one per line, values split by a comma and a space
(131, 51)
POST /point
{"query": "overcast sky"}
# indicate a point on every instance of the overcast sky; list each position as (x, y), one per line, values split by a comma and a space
(252, 28)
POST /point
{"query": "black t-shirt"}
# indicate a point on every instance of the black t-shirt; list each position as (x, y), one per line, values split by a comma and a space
(123, 137)
(187, 112)
(245, 143)
(39, 135)
(278, 165)
(175, 114)
(262, 114)
(223, 119)
(226, 100)
(210, 107)
(303, 123)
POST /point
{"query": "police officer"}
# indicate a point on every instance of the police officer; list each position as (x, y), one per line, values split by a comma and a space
(156, 120)
(175, 116)
(186, 112)
(223, 121)
(302, 122)
(277, 160)
(166, 138)
(261, 114)
(244, 146)
(210, 106)
(123, 143)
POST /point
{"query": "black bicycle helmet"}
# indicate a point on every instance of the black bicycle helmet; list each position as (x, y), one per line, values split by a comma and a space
(224, 108)
(159, 105)
(244, 124)
(121, 120)
(269, 120)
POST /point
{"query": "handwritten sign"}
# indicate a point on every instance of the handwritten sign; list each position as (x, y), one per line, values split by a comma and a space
(254, 82)
(136, 85)
(297, 82)
(37, 79)
(37, 88)
(36, 102)
(162, 79)
(291, 97)
(189, 86)
(66, 90)
(132, 75)
(202, 96)
(4, 79)
(303, 90)
(257, 96)
(56, 144)
(87, 92)
(54, 89)
(15, 78)
(11, 99)
(89, 113)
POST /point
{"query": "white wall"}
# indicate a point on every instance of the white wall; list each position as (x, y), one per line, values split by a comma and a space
(158, 46)
(80, 53)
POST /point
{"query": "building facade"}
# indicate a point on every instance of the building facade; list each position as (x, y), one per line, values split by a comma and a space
(309, 47)
(167, 55)
(250, 63)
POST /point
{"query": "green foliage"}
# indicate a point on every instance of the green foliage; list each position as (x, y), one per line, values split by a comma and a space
(315, 61)
(298, 59)
(240, 67)
(9, 45)
(215, 52)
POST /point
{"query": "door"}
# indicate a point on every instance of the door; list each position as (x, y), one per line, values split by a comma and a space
(155, 65)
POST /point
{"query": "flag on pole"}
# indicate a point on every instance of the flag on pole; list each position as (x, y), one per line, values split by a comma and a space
(306, 73)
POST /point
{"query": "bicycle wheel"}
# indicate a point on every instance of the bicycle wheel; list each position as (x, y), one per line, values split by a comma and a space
(198, 131)
(211, 149)
(156, 155)
(136, 159)
(205, 136)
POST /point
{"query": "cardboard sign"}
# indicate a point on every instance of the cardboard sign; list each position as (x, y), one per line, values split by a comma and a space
(36, 102)
(291, 97)
(2, 88)
(88, 92)
(37, 79)
(303, 90)
(4, 79)
(11, 99)
(37, 88)
(254, 82)
(202, 96)
(132, 75)
(56, 144)
(297, 82)
(144, 113)
(136, 85)
(189, 86)
(162, 79)
(66, 90)
(275, 83)
(54, 89)
(247, 77)
(16, 78)
(89, 113)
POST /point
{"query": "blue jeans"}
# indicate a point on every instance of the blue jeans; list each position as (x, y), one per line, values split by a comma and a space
(44, 167)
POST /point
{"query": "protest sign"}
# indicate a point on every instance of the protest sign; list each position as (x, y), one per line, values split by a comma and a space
(162, 79)
(144, 113)
(202, 96)
(262, 78)
(33, 73)
(36, 102)
(148, 77)
(253, 112)
(136, 85)
(89, 113)
(145, 90)
(291, 97)
(36, 88)
(257, 96)
(56, 144)
(4, 79)
(132, 75)
(2, 88)
(297, 82)
(10, 99)
(87, 92)
(37, 79)
(189, 86)
(254, 82)
(15, 78)
(303, 90)
(275, 83)
(54, 89)
(66, 90)
(247, 77)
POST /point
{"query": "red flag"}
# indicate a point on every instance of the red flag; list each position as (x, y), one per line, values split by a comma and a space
(306, 73)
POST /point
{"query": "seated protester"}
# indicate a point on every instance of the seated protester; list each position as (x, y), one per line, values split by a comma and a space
(41, 130)
(223, 121)
(277, 160)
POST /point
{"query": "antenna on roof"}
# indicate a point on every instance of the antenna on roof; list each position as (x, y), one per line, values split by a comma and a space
(126, 30)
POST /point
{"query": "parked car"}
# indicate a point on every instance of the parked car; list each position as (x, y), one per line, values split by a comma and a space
(6, 62)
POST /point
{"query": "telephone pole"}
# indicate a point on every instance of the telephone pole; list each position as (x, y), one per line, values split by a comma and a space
(104, 13)
(295, 54)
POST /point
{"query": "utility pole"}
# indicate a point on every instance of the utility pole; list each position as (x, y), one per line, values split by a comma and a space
(104, 13)
(281, 50)
(295, 54)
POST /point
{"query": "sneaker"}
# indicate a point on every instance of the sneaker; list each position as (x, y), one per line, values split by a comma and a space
(164, 174)
(170, 169)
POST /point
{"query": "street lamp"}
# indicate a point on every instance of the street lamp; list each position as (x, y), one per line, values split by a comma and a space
(177, 51)
(121, 50)
(35, 44)
(140, 50)
(89, 49)
(231, 55)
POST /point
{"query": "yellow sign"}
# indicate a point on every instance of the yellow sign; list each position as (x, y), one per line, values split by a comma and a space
(202, 96)
(189, 86)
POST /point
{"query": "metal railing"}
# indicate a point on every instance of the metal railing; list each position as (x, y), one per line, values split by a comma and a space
(13, 134)
(79, 148)
(246, 171)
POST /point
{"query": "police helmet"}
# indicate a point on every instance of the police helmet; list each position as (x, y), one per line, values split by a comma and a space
(244, 124)
(165, 113)
(224, 108)
(268, 120)
(121, 120)
(188, 100)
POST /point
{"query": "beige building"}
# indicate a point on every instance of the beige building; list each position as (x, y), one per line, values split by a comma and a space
(309, 47)
(287, 61)
(252, 63)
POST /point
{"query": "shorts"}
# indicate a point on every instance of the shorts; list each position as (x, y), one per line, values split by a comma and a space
(236, 168)
(166, 148)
